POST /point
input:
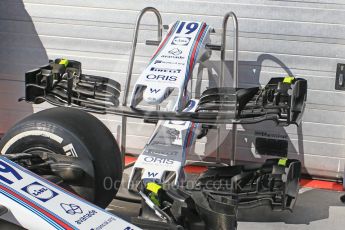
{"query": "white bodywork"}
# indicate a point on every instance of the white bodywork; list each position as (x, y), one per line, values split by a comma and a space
(167, 149)
(35, 203)
(171, 66)
(170, 69)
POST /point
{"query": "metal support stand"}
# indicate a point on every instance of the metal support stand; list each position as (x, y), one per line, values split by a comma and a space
(235, 79)
(130, 68)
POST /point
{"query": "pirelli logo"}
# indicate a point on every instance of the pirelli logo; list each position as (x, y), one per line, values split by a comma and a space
(165, 70)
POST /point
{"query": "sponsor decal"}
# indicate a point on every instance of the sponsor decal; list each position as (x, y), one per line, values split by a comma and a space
(190, 27)
(271, 135)
(158, 160)
(167, 153)
(175, 52)
(6, 168)
(105, 223)
(165, 70)
(40, 191)
(159, 77)
(71, 209)
(152, 174)
(128, 228)
(85, 217)
(172, 56)
(70, 150)
(180, 41)
(168, 62)
(173, 132)
(154, 90)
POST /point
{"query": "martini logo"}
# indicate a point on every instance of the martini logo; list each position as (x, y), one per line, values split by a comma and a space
(39, 191)
(175, 52)
(180, 41)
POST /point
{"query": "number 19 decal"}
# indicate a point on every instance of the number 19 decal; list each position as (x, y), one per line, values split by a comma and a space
(7, 169)
(191, 27)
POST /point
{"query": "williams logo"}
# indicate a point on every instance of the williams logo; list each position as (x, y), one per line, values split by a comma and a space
(71, 209)
(180, 41)
(39, 191)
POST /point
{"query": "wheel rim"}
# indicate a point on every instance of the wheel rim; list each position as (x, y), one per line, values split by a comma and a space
(82, 187)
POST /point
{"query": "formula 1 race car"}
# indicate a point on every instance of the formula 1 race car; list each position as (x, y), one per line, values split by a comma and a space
(75, 150)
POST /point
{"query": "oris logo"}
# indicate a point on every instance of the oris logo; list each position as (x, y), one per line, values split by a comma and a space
(39, 191)
(158, 160)
(161, 77)
(181, 41)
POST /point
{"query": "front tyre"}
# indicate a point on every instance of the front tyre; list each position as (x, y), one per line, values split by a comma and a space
(71, 135)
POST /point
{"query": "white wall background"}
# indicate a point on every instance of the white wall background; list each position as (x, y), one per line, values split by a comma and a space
(305, 38)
